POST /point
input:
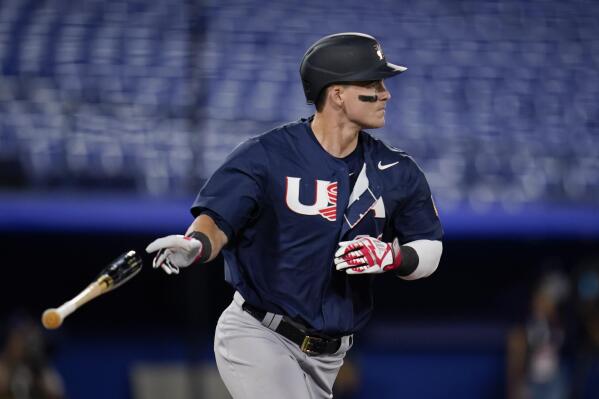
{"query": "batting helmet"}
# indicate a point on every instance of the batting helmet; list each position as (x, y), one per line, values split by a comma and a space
(343, 58)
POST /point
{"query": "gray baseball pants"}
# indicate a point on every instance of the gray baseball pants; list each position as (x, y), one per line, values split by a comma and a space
(256, 362)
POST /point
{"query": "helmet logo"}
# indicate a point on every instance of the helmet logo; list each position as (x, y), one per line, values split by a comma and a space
(379, 51)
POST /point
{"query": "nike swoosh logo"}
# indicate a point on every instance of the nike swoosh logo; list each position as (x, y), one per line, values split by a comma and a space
(383, 167)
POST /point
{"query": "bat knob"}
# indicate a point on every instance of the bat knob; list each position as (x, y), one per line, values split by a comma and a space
(51, 319)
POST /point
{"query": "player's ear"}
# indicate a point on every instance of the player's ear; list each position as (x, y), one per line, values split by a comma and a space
(335, 94)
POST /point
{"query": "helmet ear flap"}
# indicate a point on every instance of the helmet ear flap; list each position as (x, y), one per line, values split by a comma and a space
(308, 90)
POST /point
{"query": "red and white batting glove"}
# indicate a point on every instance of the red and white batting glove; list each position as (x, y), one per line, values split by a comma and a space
(367, 255)
(174, 252)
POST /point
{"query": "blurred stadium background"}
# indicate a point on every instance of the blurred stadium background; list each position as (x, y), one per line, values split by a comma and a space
(113, 113)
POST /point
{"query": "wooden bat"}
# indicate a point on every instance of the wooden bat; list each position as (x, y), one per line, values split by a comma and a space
(121, 270)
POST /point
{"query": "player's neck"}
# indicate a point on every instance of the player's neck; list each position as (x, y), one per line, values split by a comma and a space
(337, 136)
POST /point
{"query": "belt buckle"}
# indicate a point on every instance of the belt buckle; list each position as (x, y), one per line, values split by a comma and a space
(307, 345)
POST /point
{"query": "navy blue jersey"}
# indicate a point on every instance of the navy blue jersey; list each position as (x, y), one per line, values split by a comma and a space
(285, 203)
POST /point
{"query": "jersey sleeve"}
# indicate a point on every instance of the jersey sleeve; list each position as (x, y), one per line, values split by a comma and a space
(417, 218)
(234, 192)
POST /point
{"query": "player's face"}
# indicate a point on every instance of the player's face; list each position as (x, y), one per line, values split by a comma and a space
(367, 114)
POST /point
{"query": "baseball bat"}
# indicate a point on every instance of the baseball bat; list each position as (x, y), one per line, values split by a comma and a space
(118, 272)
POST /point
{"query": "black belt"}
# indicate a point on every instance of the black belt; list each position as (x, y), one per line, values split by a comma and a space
(309, 344)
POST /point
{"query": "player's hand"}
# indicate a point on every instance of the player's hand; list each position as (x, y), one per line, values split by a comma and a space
(175, 252)
(367, 255)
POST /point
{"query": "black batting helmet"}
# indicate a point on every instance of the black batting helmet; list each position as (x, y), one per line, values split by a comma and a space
(343, 58)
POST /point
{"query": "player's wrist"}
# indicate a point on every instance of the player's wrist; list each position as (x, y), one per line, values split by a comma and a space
(206, 248)
(408, 260)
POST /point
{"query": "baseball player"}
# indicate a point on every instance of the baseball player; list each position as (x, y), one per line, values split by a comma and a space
(306, 215)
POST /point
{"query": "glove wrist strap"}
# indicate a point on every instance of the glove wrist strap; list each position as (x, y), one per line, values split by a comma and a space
(206, 250)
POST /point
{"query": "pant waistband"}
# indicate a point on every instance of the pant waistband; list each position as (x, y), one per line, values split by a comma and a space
(309, 344)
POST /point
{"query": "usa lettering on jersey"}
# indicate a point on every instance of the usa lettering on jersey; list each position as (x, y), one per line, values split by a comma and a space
(325, 202)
